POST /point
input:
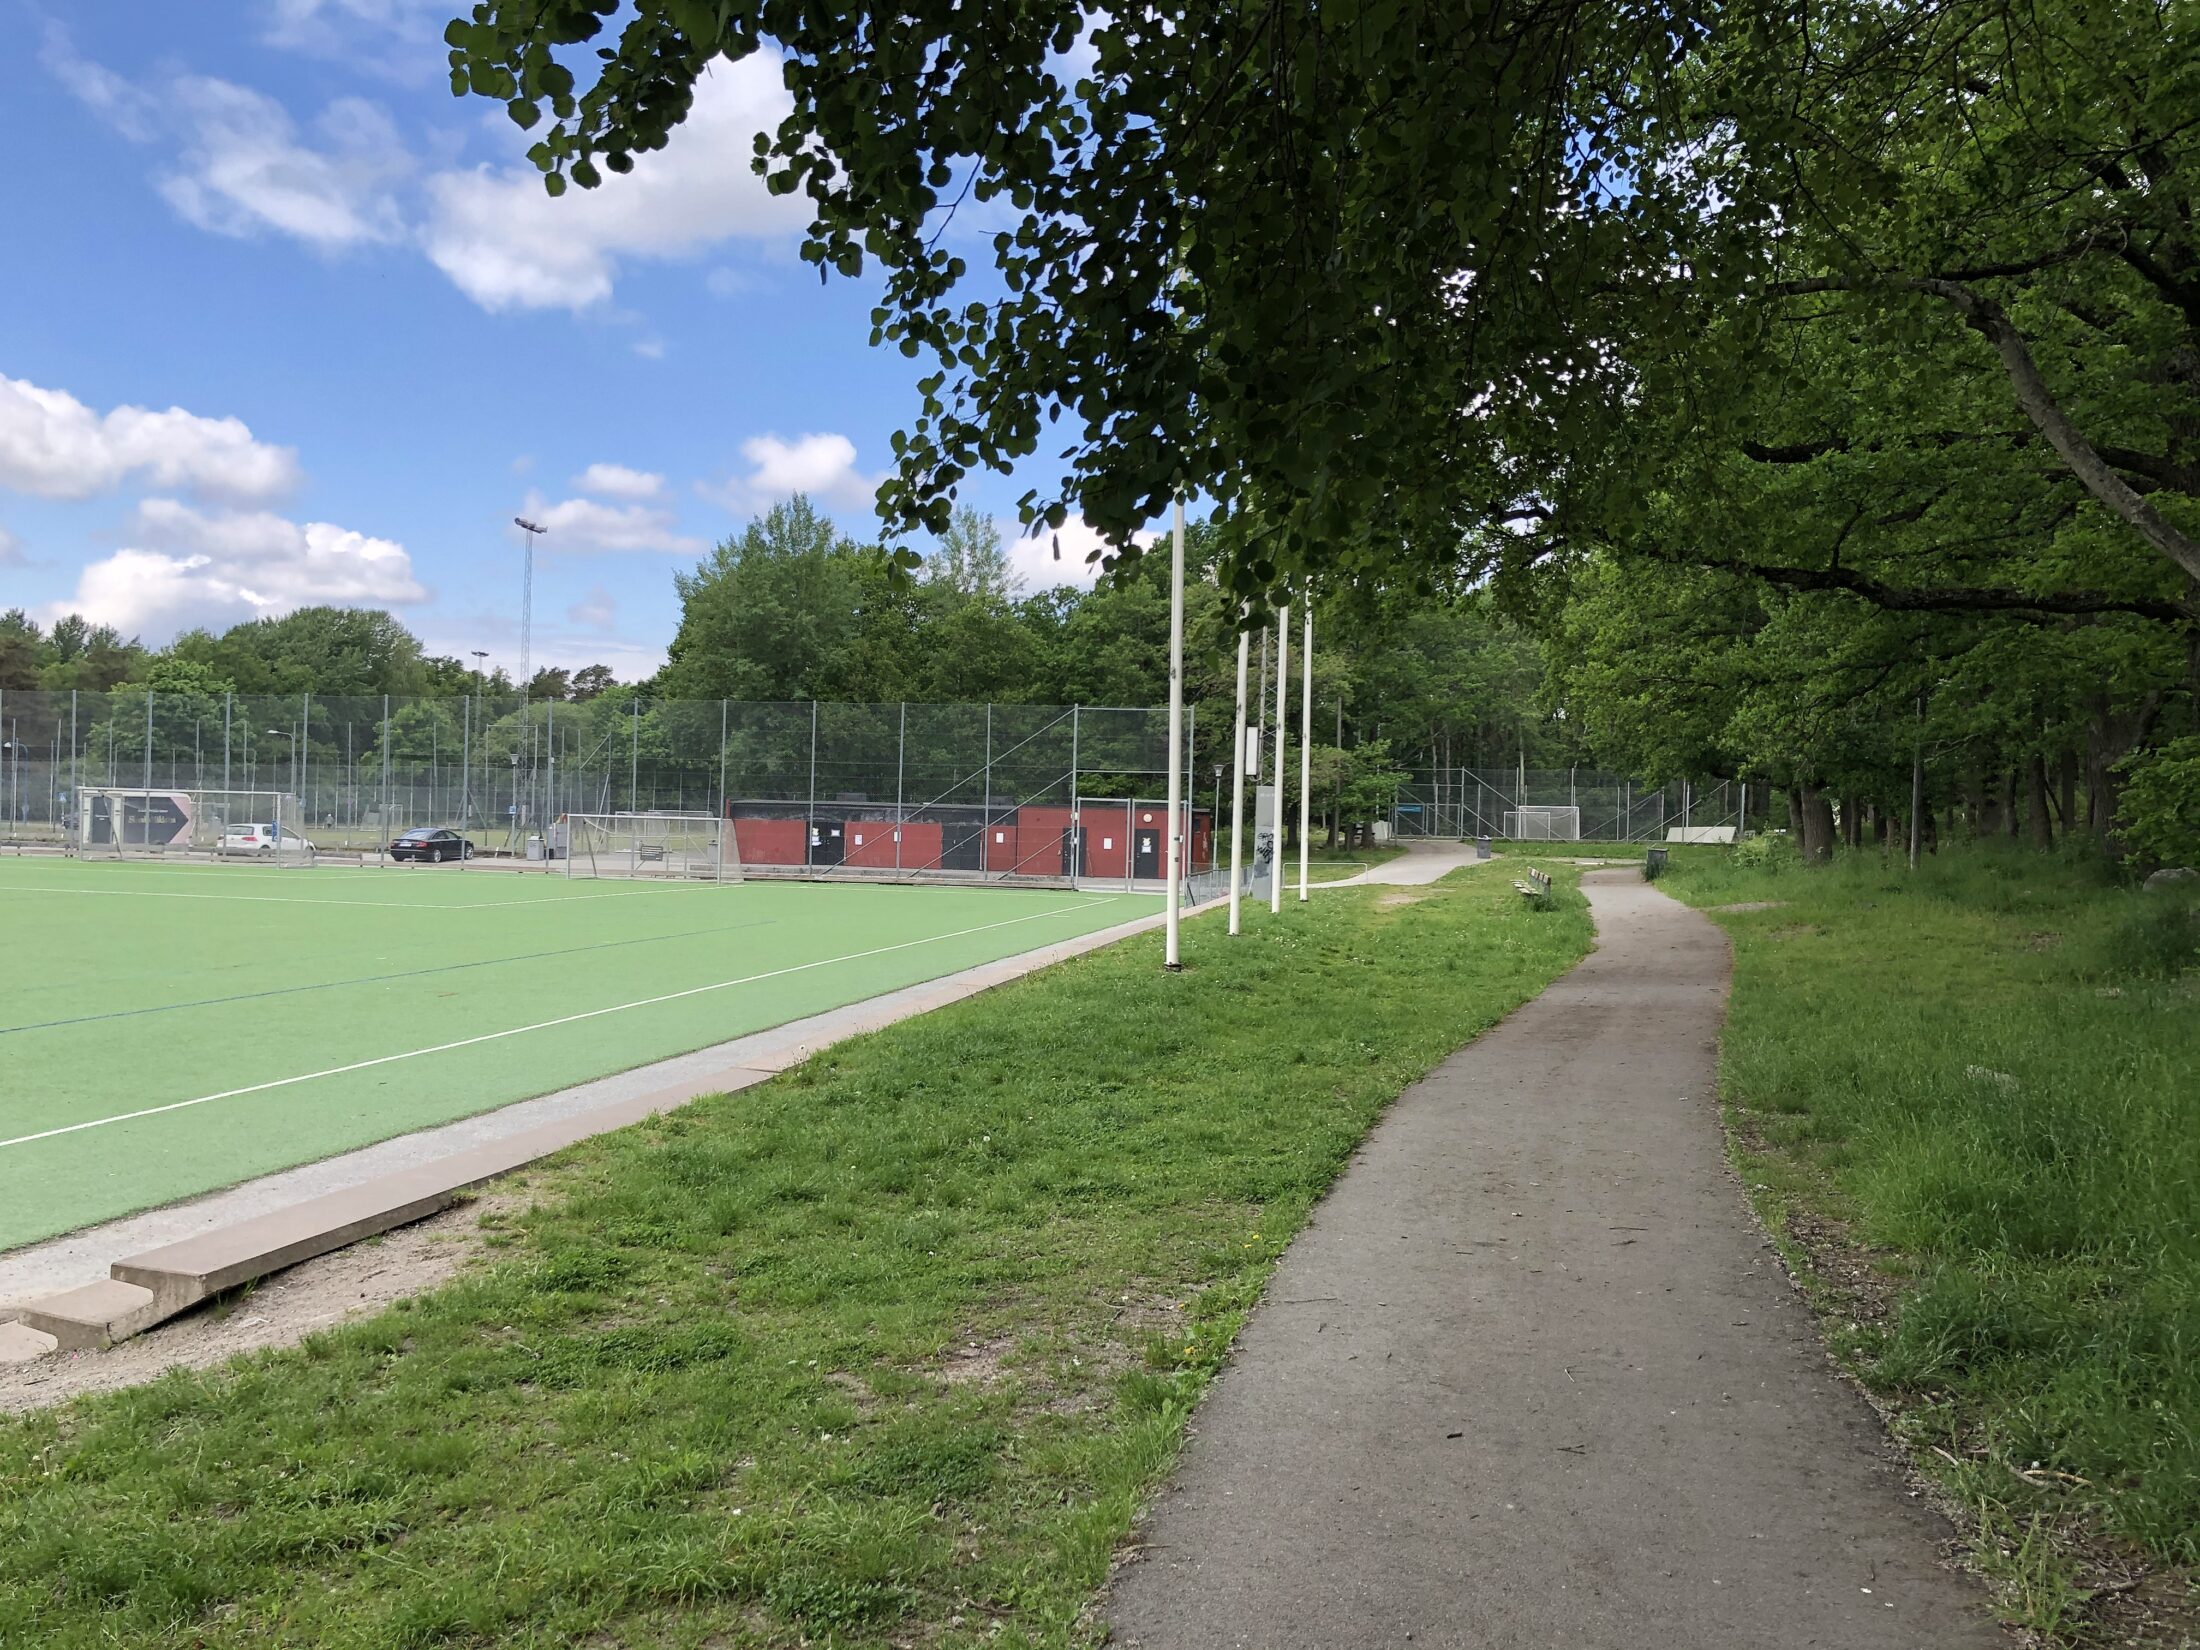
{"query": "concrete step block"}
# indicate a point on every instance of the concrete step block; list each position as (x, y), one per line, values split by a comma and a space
(20, 1343)
(94, 1316)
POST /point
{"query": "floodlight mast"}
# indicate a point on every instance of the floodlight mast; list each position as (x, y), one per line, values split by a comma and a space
(527, 607)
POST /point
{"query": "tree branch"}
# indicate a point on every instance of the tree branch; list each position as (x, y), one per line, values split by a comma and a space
(1991, 321)
(1960, 598)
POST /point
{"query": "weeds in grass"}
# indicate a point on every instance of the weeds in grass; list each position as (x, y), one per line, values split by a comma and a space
(707, 1391)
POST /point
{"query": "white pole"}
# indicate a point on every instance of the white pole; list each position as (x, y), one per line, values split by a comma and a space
(1283, 741)
(1306, 745)
(1237, 786)
(1172, 959)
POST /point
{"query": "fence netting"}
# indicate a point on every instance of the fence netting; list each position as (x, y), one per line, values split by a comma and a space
(1502, 803)
(363, 770)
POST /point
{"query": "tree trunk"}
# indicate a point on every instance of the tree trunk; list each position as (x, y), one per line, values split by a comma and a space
(2068, 773)
(1816, 813)
(2043, 834)
(2009, 805)
(1852, 822)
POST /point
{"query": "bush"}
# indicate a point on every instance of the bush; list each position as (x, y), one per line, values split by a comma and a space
(1765, 852)
(2161, 803)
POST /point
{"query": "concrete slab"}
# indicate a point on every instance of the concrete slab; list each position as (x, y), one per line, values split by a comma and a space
(21, 1344)
(93, 1316)
(1534, 1376)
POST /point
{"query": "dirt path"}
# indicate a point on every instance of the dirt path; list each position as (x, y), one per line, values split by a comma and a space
(1533, 1376)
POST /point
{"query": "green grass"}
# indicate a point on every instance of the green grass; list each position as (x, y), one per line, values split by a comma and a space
(1986, 1078)
(886, 1351)
(127, 988)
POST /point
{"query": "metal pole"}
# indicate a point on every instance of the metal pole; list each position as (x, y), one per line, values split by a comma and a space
(465, 764)
(634, 758)
(145, 825)
(1076, 811)
(1237, 783)
(901, 762)
(810, 827)
(1283, 741)
(1306, 745)
(1173, 883)
(985, 800)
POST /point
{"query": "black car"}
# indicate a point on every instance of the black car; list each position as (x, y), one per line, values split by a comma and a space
(434, 846)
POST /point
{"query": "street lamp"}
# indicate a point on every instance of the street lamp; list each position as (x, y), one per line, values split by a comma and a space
(1214, 820)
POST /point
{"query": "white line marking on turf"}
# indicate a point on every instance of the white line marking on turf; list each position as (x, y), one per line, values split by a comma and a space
(547, 1025)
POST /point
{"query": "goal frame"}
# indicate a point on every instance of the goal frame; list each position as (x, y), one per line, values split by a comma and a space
(1534, 822)
(646, 844)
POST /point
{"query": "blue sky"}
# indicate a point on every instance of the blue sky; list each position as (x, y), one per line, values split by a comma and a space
(289, 323)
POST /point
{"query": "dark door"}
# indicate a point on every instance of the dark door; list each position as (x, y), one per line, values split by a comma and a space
(828, 841)
(1146, 851)
(962, 845)
(1073, 852)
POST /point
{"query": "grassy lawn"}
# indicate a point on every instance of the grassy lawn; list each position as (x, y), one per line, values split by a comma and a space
(884, 1352)
(1969, 1104)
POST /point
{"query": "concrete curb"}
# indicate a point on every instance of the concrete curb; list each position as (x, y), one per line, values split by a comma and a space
(148, 1288)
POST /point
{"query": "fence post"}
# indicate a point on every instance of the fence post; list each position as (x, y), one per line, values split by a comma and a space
(1076, 814)
(901, 757)
(722, 761)
(985, 801)
(810, 817)
(633, 756)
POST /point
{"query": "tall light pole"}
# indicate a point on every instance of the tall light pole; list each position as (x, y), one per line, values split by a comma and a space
(527, 607)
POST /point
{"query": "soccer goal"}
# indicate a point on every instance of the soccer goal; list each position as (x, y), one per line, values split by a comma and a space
(647, 845)
(1543, 824)
(124, 822)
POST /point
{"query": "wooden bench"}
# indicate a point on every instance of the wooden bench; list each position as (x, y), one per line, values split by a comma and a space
(1536, 890)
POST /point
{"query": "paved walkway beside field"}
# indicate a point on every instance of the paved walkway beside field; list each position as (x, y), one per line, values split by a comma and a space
(1533, 1377)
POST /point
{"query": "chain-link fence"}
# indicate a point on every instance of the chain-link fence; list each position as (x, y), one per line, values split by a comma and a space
(1572, 804)
(861, 785)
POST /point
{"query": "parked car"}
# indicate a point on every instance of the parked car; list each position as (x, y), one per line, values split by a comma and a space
(261, 841)
(434, 845)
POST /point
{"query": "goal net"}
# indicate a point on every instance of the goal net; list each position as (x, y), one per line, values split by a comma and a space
(119, 822)
(647, 845)
(1543, 824)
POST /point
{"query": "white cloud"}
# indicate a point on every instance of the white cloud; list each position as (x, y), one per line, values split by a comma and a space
(1033, 556)
(598, 610)
(584, 525)
(121, 105)
(53, 445)
(508, 245)
(617, 481)
(243, 168)
(219, 570)
(821, 465)
(650, 349)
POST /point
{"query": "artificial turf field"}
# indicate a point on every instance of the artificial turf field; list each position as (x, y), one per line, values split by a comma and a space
(169, 1029)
